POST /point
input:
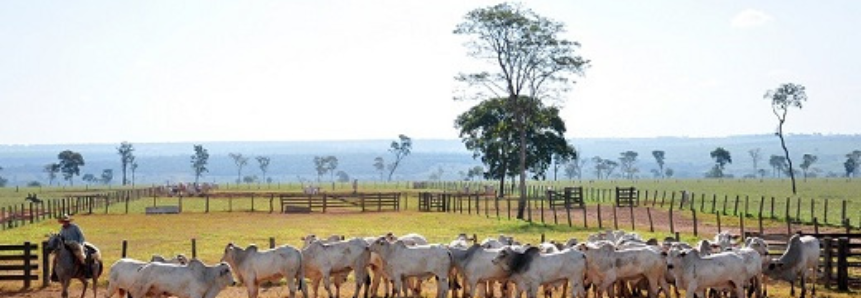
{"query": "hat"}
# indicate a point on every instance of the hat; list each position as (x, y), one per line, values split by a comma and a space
(65, 218)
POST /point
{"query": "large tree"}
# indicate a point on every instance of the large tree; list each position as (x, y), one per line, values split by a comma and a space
(199, 161)
(528, 60)
(380, 166)
(784, 97)
(853, 161)
(659, 158)
(127, 156)
(627, 160)
(240, 161)
(263, 163)
(52, 169)
(756, 157)
(808, 160)
(778, 164)
(401, 148)
(107, 176)
(486, 131)
(326, 164)
(721, 157)
(70, 164)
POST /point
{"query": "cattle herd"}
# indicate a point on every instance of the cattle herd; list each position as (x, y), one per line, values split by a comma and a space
(617, 263)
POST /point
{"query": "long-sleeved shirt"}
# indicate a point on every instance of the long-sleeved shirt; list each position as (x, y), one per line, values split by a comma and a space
(72, 232)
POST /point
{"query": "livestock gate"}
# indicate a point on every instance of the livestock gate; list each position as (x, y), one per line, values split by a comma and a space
(309, 202)
(570, 196)
(20, 262)
(627, 197)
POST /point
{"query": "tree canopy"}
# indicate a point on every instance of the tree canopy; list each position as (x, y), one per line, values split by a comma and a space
(199, 161)
(70, 164)
(527, 59)
(401, 148)
(127, 157)
(784, 97)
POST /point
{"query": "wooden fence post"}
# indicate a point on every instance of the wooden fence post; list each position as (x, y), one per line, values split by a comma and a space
(741, 227)
(772, 208)
(672, 226)
(798, 209)
(842, 264)
(631, 208)
(271, 199)
(45, 264)
(206, 209)
(786, 215)
(714, 203)
(694, 213)
(615, 219)
(28, 268)
(735, 207)
(815, 225)
(271, 242)
(725, 199)
(193, 248)
(600, 224)
(825, 214)
(124, 252)
(649, 213)
(718, 221)
(843, 211)
(828, 267)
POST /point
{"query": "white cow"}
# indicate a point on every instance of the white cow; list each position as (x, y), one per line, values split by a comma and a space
(322, 260)
(476, 266)
(402, 261)
(196, 280)
(695, 273)
(800, 260)
(125, 271)
(531, 269)
(725, 241)
(254, 267)
(606, 266)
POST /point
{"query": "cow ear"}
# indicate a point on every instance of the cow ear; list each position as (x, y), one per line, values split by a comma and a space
(683, 253)
(303, 238)
(664, 253)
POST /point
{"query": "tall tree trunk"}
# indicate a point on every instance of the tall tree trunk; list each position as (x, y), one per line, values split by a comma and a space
(124, 174)
(521, 203)
(786, 152)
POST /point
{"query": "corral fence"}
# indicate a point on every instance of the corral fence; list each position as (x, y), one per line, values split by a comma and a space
(13, 216)
(683, 210)
(282, 202)
(840, 256)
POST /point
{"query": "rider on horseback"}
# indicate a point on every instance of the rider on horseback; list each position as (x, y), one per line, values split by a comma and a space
(74, 236)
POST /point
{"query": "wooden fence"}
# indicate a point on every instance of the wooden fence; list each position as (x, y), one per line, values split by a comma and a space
(13, 216)
(23, 263)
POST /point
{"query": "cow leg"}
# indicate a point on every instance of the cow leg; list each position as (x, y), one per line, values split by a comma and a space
(396, 288)
(291, 287)
(442, 287)
(252, 288)
(361, 276)
(315, 284)
(327, 283)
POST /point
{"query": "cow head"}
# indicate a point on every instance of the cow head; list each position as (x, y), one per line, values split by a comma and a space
(225, 274)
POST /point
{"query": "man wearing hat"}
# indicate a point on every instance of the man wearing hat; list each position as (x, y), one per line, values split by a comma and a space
(72, 232)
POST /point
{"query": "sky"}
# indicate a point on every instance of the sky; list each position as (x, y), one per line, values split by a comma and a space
(180, 71)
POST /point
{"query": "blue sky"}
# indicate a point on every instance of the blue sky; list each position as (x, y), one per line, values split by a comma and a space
(168, 71)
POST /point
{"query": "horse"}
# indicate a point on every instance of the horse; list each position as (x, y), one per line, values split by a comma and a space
(67, 267)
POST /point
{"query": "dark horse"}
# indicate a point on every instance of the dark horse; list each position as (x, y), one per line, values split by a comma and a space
(67, 266)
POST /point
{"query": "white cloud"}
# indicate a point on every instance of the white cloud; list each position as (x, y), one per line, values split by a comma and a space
(750, 18)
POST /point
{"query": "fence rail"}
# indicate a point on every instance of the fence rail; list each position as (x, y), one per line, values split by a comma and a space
(22, 264)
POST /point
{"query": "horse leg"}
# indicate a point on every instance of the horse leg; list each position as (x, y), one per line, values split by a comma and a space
(86, 283)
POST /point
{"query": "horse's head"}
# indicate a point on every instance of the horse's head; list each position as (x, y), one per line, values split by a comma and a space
(55, 242)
